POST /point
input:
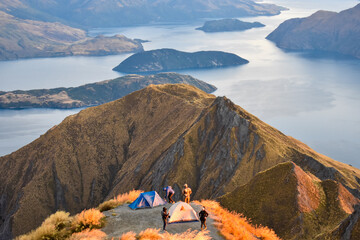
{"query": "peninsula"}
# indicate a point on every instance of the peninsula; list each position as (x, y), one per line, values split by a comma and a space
(94, 93)
(23, 38)
(323, 31)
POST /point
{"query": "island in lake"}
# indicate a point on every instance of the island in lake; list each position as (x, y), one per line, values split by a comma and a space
(323, 31)
(228, 25)
(170, 59)
(93, 94)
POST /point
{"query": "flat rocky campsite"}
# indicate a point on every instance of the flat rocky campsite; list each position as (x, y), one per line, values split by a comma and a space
(123, 219)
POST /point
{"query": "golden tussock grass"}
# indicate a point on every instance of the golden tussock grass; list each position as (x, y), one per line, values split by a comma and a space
(87, 234)
(108, 205)
(82, 226)
(154, 234)
(60, 226)
(56, 226)
(88, 219)
(235, 226)
(128, 197)
(128, 236)
(43, 232)
(150, 234)
(119, 200)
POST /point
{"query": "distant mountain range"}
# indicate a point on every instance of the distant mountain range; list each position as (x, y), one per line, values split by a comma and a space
(31, 28)
(94, 93)
(171, 135)
(323, 31)
(228, 25)
(110, 13)
(21, 38)
(165, 59)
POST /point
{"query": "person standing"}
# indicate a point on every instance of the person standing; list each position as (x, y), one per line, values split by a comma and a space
(203, 214)
(169, 193)
(164, 216)
(186, 192)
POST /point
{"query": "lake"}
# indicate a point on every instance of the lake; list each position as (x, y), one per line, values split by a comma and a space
(312, 97)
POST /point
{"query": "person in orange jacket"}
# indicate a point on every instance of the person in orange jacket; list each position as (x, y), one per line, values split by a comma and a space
(186, 192)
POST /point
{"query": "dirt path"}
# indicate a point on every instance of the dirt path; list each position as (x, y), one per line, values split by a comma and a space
(122, 219)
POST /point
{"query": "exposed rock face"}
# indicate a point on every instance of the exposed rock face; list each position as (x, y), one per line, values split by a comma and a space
(348, 229)
(324, 31)
(171, 59)
(295, 204)
(108, 13)
(164, 134)
(28, 39)
(93, 94)
(228, 25)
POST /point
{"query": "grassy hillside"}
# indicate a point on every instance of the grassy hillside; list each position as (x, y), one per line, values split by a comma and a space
(161, 135)
(295, 204)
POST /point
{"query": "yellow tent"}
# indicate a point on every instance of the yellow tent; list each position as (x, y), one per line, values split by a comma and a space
(182, 212)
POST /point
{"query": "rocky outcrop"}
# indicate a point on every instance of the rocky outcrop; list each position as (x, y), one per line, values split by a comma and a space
(93, 94)
(160, 135)
(348, 228)
(322, 31)
(30, 39)
(228, 25)
(170, 59)
(92, 13)
(296, 204)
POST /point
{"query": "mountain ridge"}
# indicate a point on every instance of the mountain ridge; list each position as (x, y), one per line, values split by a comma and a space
(302, 208)
(157, 136)
(116, 13)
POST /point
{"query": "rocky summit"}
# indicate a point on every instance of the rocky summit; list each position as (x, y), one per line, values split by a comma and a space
(157, 136)
(170, 59)
(322, 31)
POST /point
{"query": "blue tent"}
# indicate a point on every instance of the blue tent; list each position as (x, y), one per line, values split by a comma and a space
(147, 199)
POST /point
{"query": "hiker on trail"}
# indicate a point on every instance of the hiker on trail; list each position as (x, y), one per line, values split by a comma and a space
(169, 193)
(164, 216)
(187, 192)
(203, 215)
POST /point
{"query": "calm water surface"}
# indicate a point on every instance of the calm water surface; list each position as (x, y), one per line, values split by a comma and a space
(313, 98)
